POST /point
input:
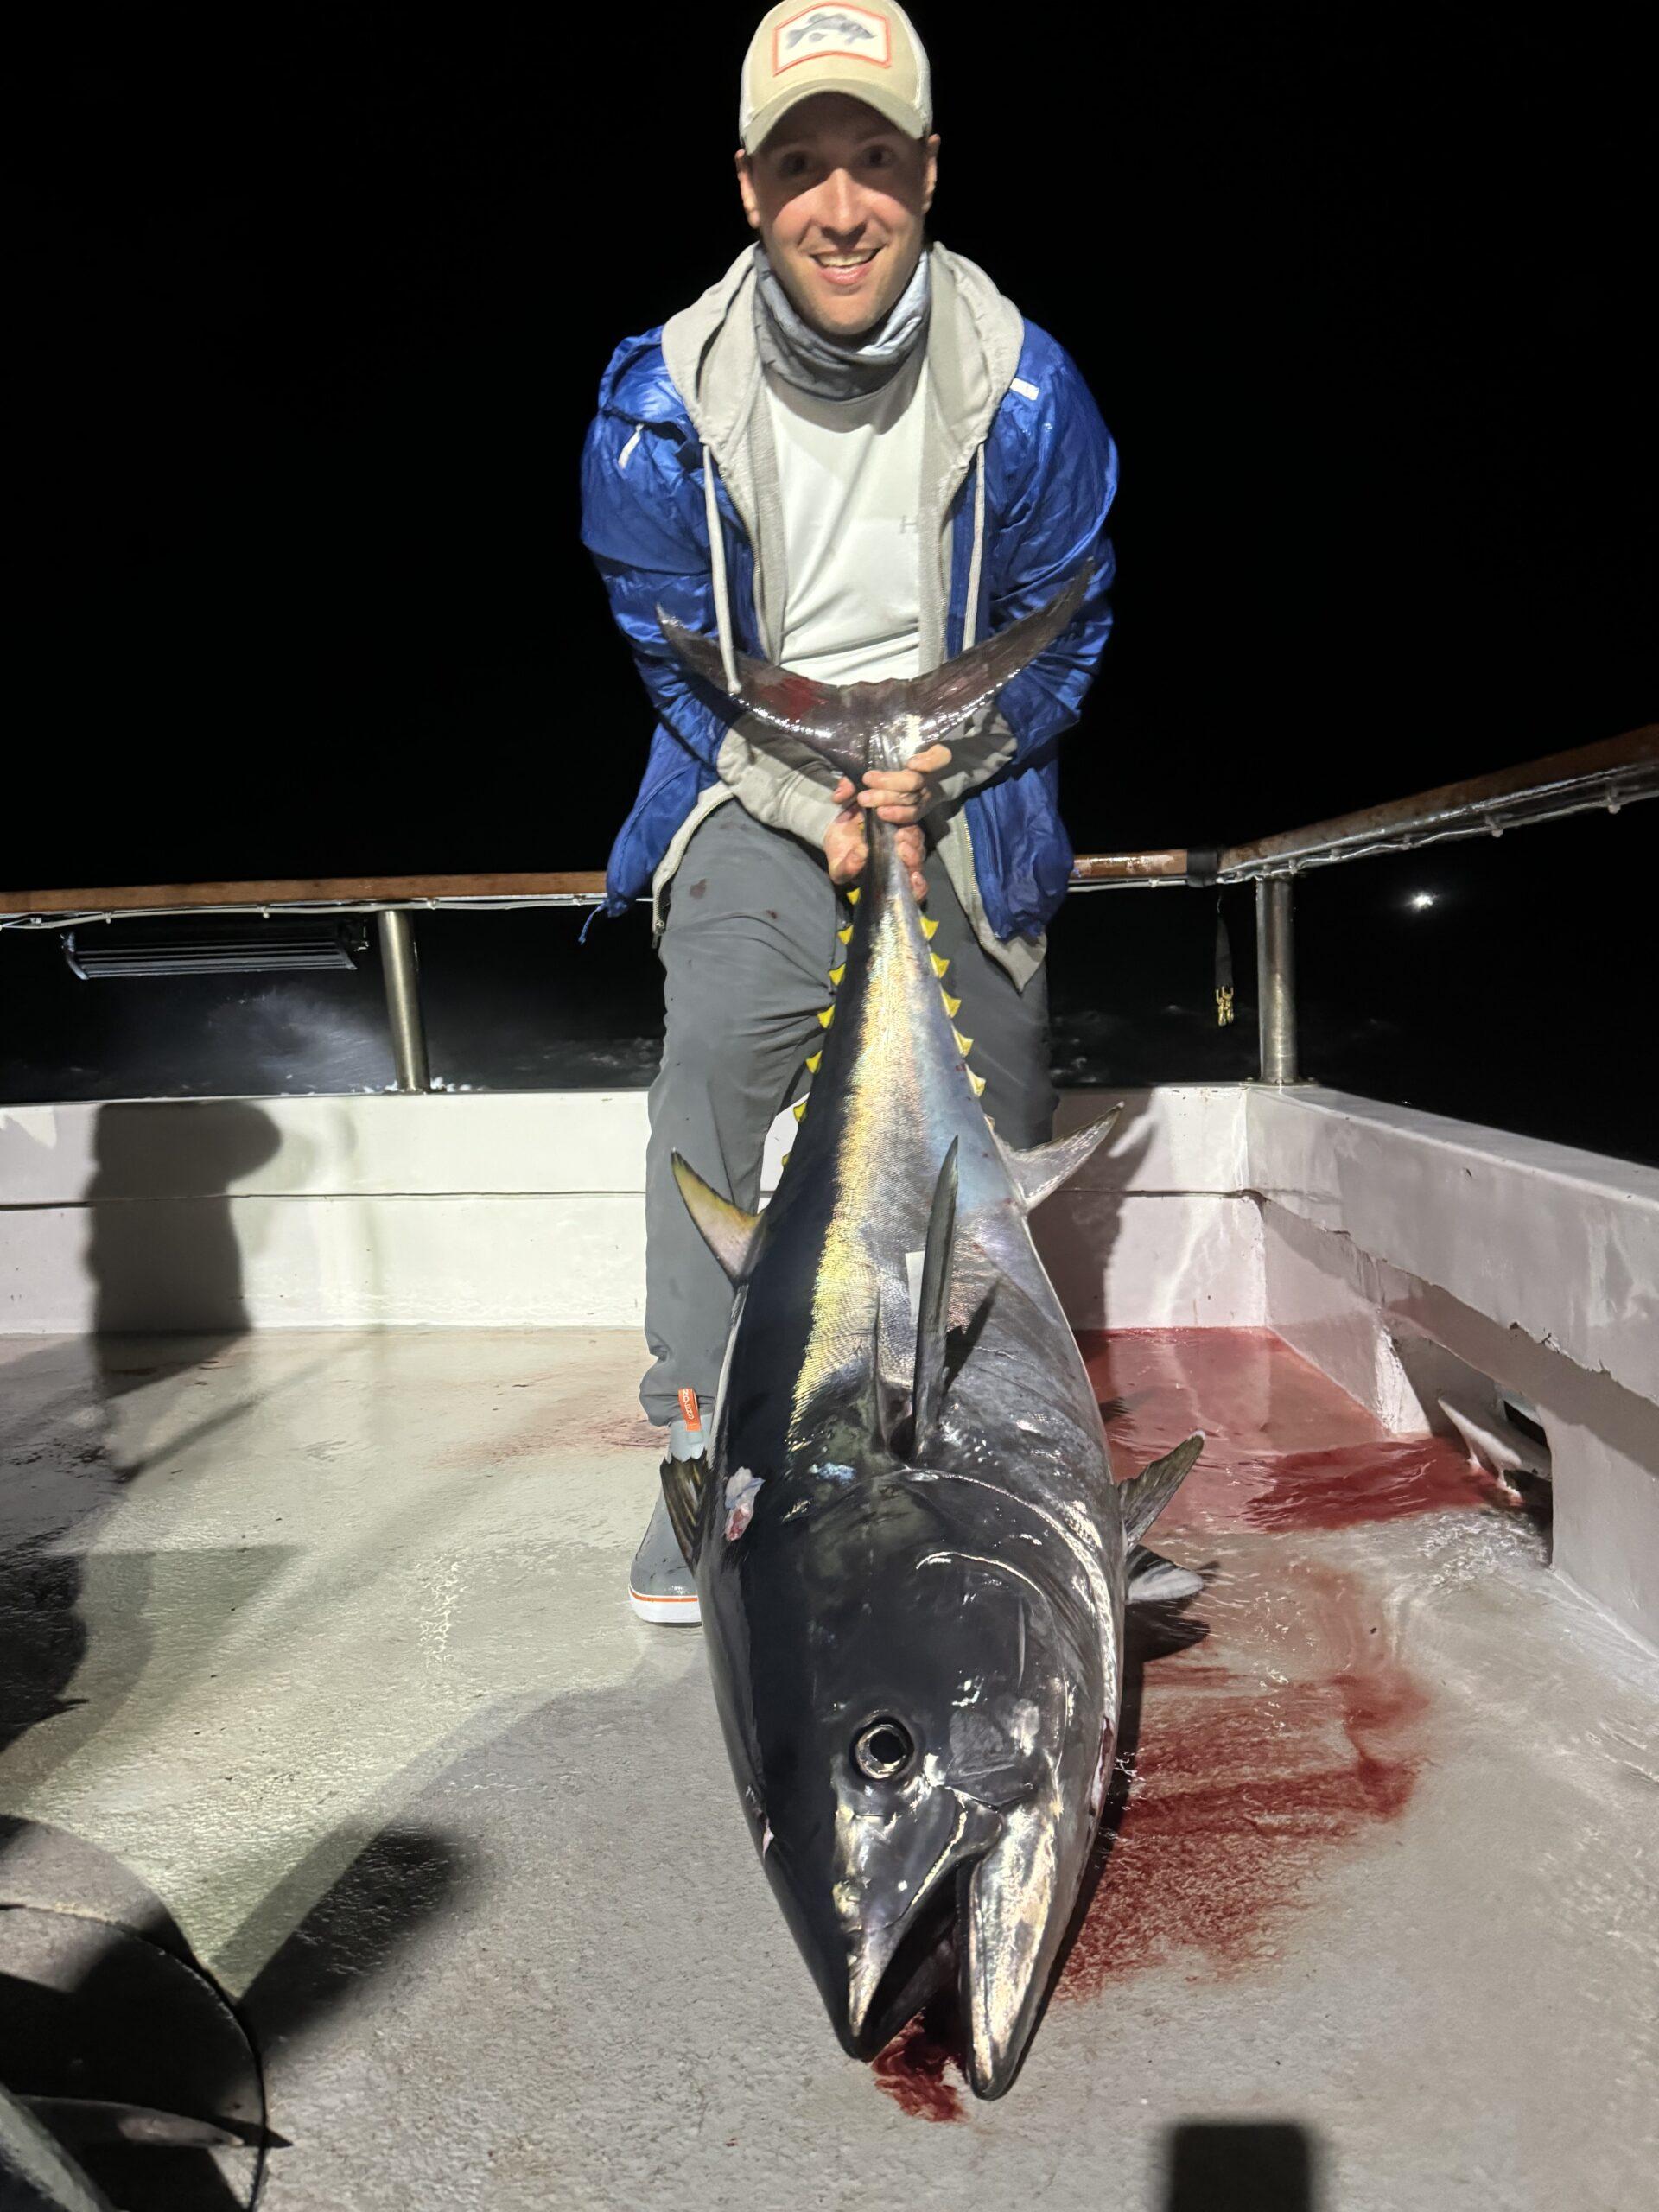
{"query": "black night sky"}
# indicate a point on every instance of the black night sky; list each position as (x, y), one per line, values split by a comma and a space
(321, 296)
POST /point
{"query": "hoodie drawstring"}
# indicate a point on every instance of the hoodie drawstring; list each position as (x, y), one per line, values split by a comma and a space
(970, 616)
(717, 564)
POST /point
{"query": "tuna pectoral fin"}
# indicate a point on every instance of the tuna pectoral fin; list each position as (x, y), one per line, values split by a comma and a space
(683, 1486)
(1155, 1580)
(933, 1318)
(730, 1233)
(1144, 1497)
(1046, 1166)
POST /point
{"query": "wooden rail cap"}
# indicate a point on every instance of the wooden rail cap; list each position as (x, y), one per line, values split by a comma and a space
(572, 888)
(576, 884)
(1130, 867)
(1536, 781)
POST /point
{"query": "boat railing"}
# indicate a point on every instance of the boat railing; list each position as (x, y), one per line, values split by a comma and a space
(1608, 775)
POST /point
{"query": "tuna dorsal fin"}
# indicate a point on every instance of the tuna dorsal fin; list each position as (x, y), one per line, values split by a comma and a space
(1046, 1166)
(730, 1233)
(683, 1487)
(1144, 1497)
(933, 1318)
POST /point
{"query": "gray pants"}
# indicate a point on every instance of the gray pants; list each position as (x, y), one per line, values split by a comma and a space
(746, 953)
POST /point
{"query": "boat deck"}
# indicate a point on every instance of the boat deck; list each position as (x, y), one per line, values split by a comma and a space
(320, 1677)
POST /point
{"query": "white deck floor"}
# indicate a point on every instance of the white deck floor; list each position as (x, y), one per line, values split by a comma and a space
(341, 1672)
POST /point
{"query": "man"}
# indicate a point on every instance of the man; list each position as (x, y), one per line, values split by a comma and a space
(852, 457)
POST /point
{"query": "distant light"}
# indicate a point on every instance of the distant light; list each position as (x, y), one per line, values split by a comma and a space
(1422, 899)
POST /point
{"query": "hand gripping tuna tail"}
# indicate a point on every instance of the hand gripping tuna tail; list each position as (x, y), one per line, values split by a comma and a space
(857, 726)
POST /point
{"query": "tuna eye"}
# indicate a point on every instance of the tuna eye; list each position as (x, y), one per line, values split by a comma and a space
(882, 1750)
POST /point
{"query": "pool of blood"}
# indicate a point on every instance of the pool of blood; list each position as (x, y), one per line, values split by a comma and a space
(1260, 1752)
(1267, 1747)
(1284, 1447)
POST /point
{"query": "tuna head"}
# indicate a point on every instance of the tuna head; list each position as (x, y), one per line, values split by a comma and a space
(925, 1704)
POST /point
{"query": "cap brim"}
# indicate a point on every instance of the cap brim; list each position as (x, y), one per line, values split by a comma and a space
(902, 114)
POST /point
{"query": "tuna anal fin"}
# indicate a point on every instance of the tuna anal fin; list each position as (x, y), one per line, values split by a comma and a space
(730, 1233)
(1046, 1166)
(1144, 1497)
(683, 1486)
(1155, 1580)
(933, 1316)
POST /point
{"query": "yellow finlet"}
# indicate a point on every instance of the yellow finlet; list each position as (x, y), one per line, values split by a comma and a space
(978, 1082)
(800, 1110)
(826, 1017)
(952, 1006)
(783, 1162)
(964, 1045)
(836, 975)
(852, 898)
(940, 963)
(812, 1063)
(844, 937)
(929, 926)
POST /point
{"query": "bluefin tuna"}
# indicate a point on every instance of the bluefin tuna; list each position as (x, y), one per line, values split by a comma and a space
(911, 1556)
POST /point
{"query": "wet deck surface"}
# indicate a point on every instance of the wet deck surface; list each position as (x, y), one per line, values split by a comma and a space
(318, 1673)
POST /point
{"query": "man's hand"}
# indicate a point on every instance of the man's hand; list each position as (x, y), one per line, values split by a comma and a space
(905, 795)
(845, 845)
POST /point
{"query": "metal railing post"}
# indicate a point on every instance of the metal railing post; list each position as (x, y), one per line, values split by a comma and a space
(1275, 978)
(402, 975)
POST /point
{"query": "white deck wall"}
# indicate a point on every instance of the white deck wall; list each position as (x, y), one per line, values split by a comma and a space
(512, 1210)
(1396, 1249)
(1391, 1239)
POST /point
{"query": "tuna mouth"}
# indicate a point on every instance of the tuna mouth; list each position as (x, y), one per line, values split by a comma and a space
(955, 1962)
(894, 1965)
(983, 1935)
(924, 1963)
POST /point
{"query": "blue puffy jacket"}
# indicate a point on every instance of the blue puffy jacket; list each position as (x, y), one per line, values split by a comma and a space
(1034, 473)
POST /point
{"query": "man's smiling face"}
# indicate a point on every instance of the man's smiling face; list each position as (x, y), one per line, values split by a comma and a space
(838, 194)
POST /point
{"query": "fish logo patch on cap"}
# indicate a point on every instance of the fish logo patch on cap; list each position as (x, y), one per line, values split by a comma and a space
(818, 32)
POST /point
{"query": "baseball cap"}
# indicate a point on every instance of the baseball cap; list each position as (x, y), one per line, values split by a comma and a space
(866, 48)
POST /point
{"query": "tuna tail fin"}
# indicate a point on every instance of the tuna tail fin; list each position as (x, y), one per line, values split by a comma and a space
(1144, 1497)
(731, 1234)
(973, 679)
(839, 720)
(1046, 1166)
(815, 713)
(928, 1388)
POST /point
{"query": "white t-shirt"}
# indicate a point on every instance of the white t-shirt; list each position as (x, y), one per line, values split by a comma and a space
(851, 478)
